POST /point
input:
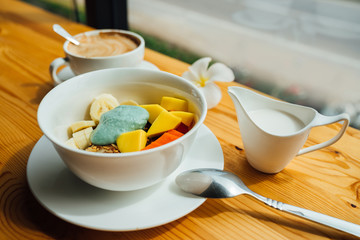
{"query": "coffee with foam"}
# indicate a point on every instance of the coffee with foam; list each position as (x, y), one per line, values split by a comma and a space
(104, 44)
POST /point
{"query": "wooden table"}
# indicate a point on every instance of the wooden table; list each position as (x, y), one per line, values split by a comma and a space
(327, 181)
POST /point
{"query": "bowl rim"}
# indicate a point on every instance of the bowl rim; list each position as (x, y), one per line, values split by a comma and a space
(72, 81)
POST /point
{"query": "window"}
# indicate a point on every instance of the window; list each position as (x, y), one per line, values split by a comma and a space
(305, 51)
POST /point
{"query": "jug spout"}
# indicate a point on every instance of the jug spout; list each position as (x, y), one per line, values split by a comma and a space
(235, 95)
(245, 101)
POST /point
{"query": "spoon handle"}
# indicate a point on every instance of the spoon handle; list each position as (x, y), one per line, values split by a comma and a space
(62, 32)
(316, 217)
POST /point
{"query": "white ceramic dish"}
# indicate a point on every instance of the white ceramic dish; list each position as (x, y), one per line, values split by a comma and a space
(66, 73)
(77, 202)
(69, 102)
(274, 132)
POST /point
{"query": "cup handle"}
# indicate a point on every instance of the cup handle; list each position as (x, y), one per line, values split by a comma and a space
(325, 120)
(54, 66)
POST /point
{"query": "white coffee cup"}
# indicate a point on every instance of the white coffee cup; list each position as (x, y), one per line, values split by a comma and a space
(80, 64)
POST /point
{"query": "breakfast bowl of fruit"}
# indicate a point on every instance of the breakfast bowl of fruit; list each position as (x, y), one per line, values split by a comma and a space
(122, 129)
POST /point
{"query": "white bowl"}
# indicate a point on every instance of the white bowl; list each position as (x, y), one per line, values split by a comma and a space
(70, 101)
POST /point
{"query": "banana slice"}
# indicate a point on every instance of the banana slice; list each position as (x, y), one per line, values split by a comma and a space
(102, 104)
(129, 102)
(71, 143)
(79, 125)
(82, 138)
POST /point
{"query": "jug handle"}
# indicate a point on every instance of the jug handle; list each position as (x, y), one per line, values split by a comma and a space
(325, 120)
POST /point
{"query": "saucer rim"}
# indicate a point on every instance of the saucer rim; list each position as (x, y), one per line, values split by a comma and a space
(69, 72)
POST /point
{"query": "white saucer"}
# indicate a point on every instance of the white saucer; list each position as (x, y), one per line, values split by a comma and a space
(66, 73)
(77, 202)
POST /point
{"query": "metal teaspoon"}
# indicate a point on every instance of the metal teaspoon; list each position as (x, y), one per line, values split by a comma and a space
(214, 183)
(62, 32)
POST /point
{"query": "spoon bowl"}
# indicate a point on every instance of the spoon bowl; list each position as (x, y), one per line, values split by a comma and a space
(211, 183)
(215, 183)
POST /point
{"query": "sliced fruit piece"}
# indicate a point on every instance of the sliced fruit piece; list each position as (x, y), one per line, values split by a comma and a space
(154, 111)
(101, 104)
(129, 102)
(175, 133)
(164, 139)
(182, 128)
(186, 117)
(79, 125)
(82, 138)
(132, 141)
(163, 123)
(174, 104)
(71, 143)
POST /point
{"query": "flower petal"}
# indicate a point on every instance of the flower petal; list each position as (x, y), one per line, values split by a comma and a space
(221, 73)
(190, 75)
(212, 94)
(200, 67)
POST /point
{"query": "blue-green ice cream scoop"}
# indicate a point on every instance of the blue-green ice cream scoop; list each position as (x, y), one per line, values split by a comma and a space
(124, 118)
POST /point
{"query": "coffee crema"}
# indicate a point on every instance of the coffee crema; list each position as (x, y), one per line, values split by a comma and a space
(104, 44)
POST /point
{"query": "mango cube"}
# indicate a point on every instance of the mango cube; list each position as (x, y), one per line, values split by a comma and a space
(164, 122)
(132, 141)
(186, 117)
(174, 104)
(154, 111)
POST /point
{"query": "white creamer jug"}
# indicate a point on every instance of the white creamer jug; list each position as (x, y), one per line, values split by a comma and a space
(273, 132)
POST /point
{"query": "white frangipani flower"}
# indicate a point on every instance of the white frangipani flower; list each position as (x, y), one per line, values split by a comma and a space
(204, 76)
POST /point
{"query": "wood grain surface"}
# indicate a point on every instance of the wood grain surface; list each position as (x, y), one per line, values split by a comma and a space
(326, 181)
